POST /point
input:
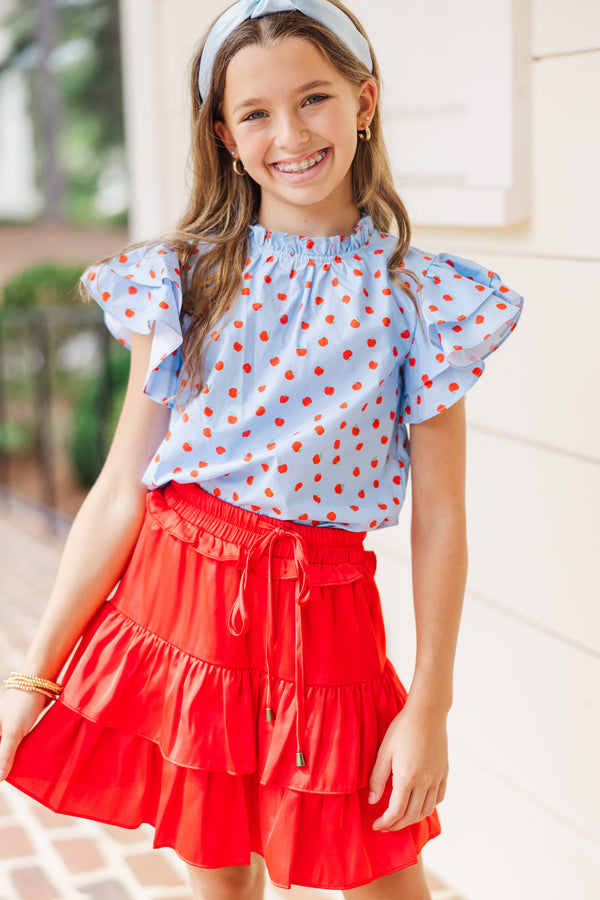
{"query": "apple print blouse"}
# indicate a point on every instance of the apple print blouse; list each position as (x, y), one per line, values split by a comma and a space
(314, 374)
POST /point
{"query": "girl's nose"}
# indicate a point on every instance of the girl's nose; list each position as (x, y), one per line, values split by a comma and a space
(291, 132)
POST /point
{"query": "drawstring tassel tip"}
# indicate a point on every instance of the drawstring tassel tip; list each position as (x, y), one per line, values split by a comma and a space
(300, 760)
(270, 714)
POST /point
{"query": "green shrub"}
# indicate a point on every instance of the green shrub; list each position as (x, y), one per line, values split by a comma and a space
(88, 442)
(47, 284)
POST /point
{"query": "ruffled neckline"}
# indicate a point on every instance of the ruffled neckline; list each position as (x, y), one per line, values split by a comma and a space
(280, 243)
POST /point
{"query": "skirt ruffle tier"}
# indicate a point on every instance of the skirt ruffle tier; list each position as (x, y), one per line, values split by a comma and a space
(162, 719)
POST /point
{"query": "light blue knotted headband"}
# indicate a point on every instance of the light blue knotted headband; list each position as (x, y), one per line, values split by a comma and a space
(326, 13)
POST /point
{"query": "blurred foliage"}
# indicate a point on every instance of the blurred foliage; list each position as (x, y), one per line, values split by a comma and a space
(88, 438)
(86, 66)
(46, 284)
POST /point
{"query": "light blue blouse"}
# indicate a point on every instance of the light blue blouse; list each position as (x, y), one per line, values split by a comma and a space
(313, 376)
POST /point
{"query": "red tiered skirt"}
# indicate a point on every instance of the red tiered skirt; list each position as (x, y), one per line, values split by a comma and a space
(233, 693)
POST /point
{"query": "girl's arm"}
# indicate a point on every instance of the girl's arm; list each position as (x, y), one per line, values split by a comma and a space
(414, 749)
(97, 549)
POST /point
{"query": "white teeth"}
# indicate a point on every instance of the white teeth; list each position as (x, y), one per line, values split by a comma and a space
(295, 169)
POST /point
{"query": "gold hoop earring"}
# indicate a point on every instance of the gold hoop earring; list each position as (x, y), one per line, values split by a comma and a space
(235, 167)
(365, 133)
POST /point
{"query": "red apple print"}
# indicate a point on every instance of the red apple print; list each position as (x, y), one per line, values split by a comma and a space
(386, 321)
(220, 450)
(337, 444)
(233, 392)
(260, 411)
(355, 323)
(318, 300)
(163, 305)
(307, 401)
(373, 365)
(185, 417)
(284, 320)
(207, 432)
(247, 368)
(344, 405)
(355, 508)
(262, 388)
(453, 386)
(343, 424)
(386, 292)
(168, 436)
(247, 276)
(374, 463)
(237, 346)
(501, 305)
(305, 325)
(157, 458)
(355, 430)
(329, 390)
(331, 516)
(356, 471)
(361, 494)
(268, 279)
(296, 446)
(357, 386)
(376, 423)
(347, 354)
(330, 319)
(256, 306)
(289, 375)
(369, 309)
(319, 370)
(318, 418)
(265, 467)
(299, 487)
(132, 290)
(238, 324)
(345, 299)
(246, 434)
(359, 447)
(371, 342)
(316, 459)
(478, 371)
(249, 479)
(334, 282)
(264, 335)
(323, 342)
(282, 468)
(268, 492)
(177, 470)
(271, 445)
(106, 295)
(319, 429)
(245, 292)
(336, 460)
(274, 361)
(232, 419)
(219, 365)
(283, 399)
(123, 258)
(279, 422)
(129, 313)
(235, 496)
(301, 351)
(208, 411)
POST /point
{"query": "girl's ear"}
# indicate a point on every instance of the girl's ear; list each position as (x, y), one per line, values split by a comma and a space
(224, 133)
(367, 101)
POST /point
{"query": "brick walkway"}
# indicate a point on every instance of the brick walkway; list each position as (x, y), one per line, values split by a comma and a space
(43, 855)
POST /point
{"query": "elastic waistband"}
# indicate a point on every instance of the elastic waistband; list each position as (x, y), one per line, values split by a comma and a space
(241, 526)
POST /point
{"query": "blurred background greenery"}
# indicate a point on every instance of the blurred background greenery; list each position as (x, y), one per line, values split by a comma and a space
(63, 205)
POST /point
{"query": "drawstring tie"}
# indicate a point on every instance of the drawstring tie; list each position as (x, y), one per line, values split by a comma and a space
(239, 620)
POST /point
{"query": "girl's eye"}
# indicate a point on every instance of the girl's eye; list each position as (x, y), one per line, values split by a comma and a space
(315, 98)
(257, 114)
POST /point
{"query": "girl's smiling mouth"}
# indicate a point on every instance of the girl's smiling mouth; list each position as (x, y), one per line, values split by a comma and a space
(303, 165)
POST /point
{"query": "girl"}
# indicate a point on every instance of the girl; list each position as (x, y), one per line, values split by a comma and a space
(234, 691)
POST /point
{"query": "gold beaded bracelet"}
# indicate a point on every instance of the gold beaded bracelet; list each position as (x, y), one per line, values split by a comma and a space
(23, 682)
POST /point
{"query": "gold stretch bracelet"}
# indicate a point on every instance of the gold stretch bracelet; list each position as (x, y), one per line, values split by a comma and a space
(24, 682)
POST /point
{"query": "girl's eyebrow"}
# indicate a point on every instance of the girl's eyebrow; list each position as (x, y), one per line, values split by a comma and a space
(259, 101)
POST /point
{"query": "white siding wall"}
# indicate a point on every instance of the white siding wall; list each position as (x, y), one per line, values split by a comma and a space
(521, 817)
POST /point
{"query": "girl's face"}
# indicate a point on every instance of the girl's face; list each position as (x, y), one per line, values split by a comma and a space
(292, 119)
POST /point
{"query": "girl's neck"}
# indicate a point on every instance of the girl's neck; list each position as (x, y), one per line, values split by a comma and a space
(323, 221)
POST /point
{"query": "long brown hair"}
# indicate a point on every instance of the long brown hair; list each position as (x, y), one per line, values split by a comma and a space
(222, 205)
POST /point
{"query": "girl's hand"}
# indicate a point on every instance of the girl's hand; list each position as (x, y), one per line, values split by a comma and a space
(19, 711)
(415, 752)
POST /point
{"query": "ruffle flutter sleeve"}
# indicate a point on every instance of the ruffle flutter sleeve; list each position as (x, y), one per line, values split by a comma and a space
(137, 290)
(466, 312)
